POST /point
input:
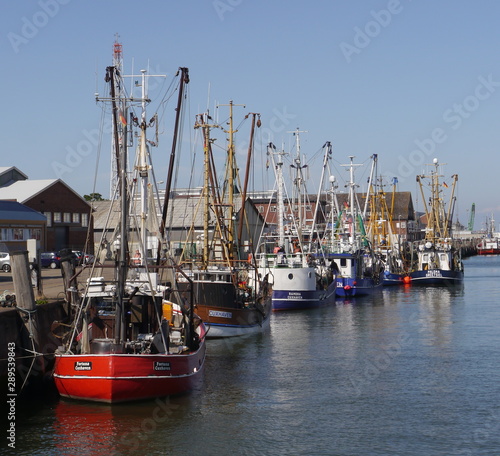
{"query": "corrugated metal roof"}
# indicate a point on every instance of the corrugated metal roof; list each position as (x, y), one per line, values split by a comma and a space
(183, 212)
(100, 214)
(22, 191)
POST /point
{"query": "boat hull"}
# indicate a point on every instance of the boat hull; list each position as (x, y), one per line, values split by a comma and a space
(231, 322)
(392, 278)
(302, 299)
(297, 289)
(348, 287)
(436, 277)
(488, 251)
(114, 378)
(228, 311)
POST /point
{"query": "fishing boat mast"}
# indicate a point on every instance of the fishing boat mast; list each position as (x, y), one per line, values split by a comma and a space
(118, 88)
(298, 192)
(352, 197)
(143, 168)
(184, 79)
(230, 182)
(438, 222)
(202, 122)
(326, 156)
(247, 171)
(119, 105)
(271, 150)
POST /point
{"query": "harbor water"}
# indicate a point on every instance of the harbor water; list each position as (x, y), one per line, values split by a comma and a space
(409, 371)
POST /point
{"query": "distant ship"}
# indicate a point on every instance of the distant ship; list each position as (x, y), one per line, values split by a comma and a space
(490, 245)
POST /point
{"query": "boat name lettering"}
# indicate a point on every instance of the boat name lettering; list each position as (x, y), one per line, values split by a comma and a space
(83, 366)
(161, 366)
(218, 313)
(294, 295)
(433, 273)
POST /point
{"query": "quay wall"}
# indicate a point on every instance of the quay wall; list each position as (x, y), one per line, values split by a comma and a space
(14, 335)
(467, 246)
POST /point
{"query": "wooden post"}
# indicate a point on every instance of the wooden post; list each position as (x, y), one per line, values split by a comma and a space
(25, 299)
(68, 272)
(21, 276)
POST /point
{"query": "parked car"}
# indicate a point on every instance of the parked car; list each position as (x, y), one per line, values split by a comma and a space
(50, 260)
(83, 258)
(4, 262)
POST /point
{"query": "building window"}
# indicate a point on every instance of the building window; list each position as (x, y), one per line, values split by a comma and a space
(85, 219)
(18, 234)
(272, 209)
(67, 217)
(57, 217)
(36, 233)
(76, 217)
(261, 209)
(49, 218)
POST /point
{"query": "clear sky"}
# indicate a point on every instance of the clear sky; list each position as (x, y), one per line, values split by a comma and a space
(405, 79)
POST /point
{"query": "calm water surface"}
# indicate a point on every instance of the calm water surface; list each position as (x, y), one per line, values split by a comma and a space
(411, 371)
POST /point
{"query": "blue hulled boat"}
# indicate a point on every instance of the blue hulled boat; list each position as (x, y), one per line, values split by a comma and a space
(346, 249)
(436, 261)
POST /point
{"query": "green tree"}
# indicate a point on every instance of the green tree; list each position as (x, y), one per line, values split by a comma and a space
(93, 197)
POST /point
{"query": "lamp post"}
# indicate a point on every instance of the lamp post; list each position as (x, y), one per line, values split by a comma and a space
(399, 232)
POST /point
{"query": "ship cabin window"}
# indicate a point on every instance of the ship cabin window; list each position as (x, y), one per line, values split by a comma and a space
(343, 262)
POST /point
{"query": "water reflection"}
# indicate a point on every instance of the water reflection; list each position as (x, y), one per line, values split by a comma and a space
(434, 314)
(84, 428)
(122, 429)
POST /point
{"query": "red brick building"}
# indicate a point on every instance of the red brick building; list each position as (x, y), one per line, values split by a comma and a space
(69, 223)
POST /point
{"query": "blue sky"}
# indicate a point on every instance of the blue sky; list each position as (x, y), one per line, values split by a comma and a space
(407, 80)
